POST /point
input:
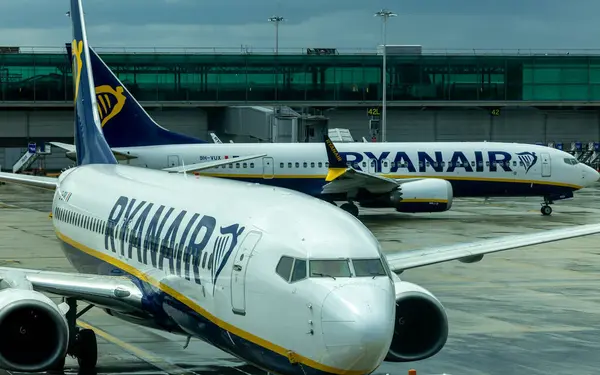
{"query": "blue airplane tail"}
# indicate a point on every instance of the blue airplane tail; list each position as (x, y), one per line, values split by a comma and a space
(124, 121)
(91, 145)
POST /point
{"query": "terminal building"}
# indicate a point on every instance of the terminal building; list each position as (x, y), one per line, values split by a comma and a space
(252, 97)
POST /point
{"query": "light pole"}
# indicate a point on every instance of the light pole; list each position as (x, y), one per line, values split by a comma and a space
(276, 20)
(384, 14)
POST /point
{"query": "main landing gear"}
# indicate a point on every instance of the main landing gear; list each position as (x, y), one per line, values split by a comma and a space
(546, 210)
(351, 208)
(82, 342)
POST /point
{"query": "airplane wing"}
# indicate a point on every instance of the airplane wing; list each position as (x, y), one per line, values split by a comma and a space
(71, 151)
(474, 251)
(121, 294)
(114, 292)
(215, 138)
(343, 179)
(43, 182)
(210, 164)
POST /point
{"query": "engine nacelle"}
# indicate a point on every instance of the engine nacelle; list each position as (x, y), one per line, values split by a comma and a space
(421, 328)
(426, 195)
(34, 332)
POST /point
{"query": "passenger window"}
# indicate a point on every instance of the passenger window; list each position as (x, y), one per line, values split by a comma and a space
(297, 165)
(329, 268)
(299, 270)
(284, 267)
(230, 165)
(487, 163)
(385, 164)
(245, 165)
(251, 165)
(281, 165)
(289, 165)
(368, 267)
(320, 165)
(237, 165)
(312, 165)
(326, 164)
(364, 164)
(304, 164)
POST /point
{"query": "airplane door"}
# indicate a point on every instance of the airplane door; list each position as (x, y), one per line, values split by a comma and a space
(268, 168)
(385, 166)
(546, 165)
(238, 272)
(371, 166)
(173, 161)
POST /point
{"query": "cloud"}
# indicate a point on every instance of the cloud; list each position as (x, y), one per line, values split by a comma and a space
(344, 24)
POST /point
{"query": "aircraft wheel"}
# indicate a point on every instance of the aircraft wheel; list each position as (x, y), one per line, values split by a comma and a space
(60, 366)
(546, 210)
(87, 349)
(351, 208)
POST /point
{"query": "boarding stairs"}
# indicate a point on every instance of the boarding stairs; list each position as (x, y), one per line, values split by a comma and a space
(587, 153)
(30, 156)
(340, 135)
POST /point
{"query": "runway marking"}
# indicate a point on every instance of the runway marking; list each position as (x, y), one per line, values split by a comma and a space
(142, 354)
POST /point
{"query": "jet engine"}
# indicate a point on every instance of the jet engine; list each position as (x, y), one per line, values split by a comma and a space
(421, 328)
(34, 332)
(426, 195)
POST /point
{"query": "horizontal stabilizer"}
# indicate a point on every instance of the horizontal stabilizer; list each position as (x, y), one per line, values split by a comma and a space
(42, 182)
(71, 150)
(64, 146)
(210, 164)
(418, 258)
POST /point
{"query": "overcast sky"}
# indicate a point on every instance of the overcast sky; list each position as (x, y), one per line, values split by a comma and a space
(434, 24)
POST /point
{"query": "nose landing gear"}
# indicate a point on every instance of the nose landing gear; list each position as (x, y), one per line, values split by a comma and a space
(546, 210)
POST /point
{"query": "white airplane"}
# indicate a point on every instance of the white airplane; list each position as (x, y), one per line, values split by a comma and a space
(410, 177)
(222, 261)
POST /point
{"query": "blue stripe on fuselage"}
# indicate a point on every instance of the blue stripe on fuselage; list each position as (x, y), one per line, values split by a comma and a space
(170, 311)
(461, 188)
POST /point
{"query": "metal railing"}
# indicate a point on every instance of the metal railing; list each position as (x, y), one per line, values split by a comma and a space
(244, 49)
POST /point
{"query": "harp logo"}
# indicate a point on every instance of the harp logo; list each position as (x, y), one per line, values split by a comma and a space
(110, 102)
(76, 51)
(528, 159)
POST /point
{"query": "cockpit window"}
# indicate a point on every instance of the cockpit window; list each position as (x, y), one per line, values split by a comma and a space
(571, 161)
(368, 267)
(299, 272)
(330, 268)
(284, 267)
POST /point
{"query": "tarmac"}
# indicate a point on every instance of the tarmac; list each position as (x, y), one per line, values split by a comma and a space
(530, 311)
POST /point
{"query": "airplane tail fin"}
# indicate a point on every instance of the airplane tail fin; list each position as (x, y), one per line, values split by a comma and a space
(337, 166)
(124, 121)
(90, 143)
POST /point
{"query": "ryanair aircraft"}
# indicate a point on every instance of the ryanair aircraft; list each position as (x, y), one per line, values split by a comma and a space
(410, 177)
(195, 255)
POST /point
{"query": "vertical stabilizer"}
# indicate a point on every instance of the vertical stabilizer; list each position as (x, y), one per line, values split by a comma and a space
(125, 123)
(91, 145)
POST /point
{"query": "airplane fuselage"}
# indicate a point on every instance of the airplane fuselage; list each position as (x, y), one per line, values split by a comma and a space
(211, 273)
(475, 169)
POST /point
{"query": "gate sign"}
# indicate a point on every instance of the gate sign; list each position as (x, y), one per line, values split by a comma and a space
(31, 147)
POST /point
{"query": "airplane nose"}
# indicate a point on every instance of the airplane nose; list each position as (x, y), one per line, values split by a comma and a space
(591, 176)
(357, 322)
